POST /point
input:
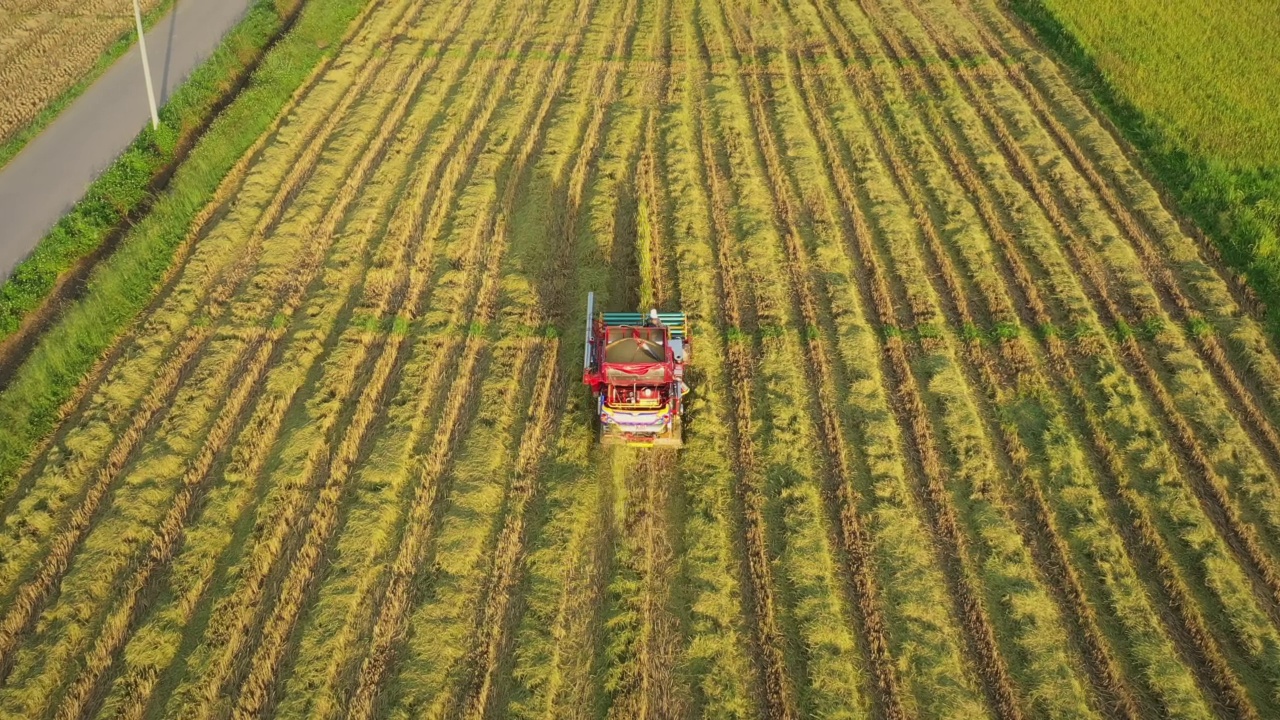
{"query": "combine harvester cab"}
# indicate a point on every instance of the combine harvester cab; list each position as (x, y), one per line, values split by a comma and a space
(635, 369)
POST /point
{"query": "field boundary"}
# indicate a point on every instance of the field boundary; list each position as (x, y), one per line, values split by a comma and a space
(1192, 185)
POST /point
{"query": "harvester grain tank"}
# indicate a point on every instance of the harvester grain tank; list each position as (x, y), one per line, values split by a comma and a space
(634, 365)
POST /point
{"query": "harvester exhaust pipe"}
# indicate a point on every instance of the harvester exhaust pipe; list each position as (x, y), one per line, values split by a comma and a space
(586, 350)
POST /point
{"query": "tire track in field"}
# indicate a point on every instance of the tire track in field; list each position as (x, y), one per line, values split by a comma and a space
(1208, 484)
(395, 603)
(779, 694)
(491, 631)
(171, 532)
(28, 600)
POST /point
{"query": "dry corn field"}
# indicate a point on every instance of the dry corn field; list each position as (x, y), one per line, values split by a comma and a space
(47, 46)
(978, 427)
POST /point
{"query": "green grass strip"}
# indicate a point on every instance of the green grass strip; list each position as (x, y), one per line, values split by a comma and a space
(1238, 208)
(122, 285)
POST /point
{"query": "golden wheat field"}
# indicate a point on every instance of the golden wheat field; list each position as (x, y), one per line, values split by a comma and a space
(978, 427)
(47, 46)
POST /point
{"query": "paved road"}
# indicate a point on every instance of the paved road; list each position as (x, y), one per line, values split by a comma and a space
(53, 171)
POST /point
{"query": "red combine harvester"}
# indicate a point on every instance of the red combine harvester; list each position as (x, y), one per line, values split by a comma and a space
(635, 367)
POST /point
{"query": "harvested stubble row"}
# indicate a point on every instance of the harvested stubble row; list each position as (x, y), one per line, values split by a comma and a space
(977, 429)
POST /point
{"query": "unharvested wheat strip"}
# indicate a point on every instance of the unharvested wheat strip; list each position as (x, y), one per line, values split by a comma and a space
(360, 350)
(1109, 171)
(90, 497)
(1249, 474)
(395, 602)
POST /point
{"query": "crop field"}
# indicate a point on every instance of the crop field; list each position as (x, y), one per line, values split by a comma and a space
(48, 46)
(979, 428)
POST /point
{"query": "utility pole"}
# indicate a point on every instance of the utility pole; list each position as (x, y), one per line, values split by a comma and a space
(146, 67)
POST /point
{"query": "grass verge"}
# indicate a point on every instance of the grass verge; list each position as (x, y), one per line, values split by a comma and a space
(124, 283)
